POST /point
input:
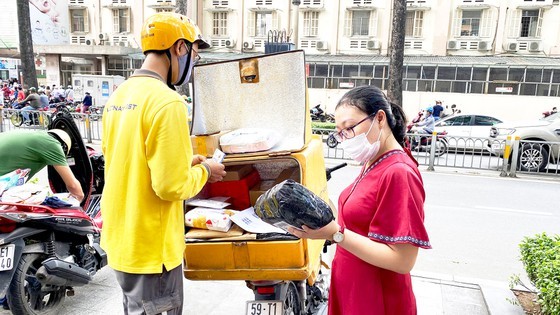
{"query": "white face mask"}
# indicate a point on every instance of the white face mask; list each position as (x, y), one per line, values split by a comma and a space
(359, 148)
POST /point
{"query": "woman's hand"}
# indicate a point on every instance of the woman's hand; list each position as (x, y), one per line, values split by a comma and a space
(325, 233)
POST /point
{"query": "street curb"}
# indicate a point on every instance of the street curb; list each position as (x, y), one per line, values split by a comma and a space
(497, 294)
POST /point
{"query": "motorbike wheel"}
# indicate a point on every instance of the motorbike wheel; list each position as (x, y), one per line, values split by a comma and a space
(16, 119)
(441, 147)
(331, 143)
(292, 303)
(26, 295)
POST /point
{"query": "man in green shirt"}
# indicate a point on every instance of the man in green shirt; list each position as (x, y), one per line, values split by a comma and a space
(35, 150)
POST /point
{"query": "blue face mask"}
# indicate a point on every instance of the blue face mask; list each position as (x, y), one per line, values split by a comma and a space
(182, 76)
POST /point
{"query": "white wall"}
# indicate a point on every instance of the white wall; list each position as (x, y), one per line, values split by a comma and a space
(505, 107)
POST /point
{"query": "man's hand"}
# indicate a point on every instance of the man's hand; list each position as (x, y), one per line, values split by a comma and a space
(217, 171)
(197, 159)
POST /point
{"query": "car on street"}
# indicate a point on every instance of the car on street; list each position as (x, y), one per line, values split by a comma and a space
(540, 141)
(467, 132)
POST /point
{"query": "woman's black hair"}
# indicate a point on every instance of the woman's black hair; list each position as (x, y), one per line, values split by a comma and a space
(370, 99)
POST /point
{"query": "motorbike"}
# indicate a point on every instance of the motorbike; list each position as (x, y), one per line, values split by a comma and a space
(425, 142)
(37, 118)
(45, 251)
(318, 114)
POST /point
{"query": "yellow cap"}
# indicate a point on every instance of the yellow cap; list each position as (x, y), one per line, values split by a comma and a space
(162, 30)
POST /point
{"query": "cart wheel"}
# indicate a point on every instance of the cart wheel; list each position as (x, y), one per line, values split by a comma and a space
(292, 303)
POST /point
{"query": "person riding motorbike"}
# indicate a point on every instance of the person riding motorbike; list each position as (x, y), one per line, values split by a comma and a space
(43, 98)
(428, 123)
(34, 104)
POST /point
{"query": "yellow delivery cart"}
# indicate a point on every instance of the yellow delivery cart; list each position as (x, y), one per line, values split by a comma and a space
(267, 91)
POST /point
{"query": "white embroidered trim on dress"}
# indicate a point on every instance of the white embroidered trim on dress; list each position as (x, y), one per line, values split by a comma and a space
(399, 239)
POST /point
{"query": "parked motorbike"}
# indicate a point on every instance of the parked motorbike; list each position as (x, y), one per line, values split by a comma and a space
(298, 297)
(47, 251)
(318, 114)
(425, 142)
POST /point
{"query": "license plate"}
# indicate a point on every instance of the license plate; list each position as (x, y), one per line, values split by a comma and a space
(264, 308)
(7, 257)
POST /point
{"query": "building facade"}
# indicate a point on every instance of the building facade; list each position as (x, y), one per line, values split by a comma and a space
(506, 47)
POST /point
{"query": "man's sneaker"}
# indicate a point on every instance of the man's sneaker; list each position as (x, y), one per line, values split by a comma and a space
(27, 123)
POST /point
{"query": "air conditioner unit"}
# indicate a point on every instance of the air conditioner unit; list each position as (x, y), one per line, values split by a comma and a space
(230, 43)
(373, 44)
(511, 46)
(123, 44)
(90, 42)
(535, 46)
(248, 45)
(103, 36)
(453, 45)
(484, 46)
(322, 45)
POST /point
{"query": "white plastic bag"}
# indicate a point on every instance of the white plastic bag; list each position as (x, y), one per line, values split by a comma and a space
(249, 140)
(31, 194)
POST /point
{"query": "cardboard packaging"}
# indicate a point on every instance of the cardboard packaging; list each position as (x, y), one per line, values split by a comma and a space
(237, 172)
(206, 144)
(259, 189)
(263, 186)
(237, 190)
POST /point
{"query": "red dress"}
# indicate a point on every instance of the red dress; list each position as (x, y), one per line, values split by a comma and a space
(386, 204)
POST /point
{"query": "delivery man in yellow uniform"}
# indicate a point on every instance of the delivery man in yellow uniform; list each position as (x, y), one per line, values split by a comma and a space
(150, 169)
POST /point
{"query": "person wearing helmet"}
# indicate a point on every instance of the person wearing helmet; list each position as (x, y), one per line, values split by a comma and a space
(43, 99)
(150, 168)
(35, 150)
(428, 124)
(69, 94)
(34, 104)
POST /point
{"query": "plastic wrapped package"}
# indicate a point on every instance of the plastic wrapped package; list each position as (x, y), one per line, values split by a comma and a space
(31, 194)
(291, 204)
(12, 179)
(210, 219)
(247, 140)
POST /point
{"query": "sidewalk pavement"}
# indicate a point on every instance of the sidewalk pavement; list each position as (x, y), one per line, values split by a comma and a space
(435, 295)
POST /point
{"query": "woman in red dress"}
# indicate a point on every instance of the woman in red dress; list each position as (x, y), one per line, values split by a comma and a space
(380, 215)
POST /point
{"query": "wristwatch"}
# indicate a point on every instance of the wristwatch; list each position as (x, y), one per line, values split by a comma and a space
(339, 236)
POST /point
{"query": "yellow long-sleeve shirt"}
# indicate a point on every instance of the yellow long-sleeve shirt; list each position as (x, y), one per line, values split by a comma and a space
(148, 173)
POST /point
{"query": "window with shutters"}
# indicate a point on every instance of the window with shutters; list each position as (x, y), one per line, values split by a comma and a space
(121, 20)
(360, 23)
(79, 21)
(260, 22)
(310, 23)
(470, 23)
(219, 27)
(531, 21)
(414, 21)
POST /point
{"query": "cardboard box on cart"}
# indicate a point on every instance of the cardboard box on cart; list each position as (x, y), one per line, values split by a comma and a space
(267, 91)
